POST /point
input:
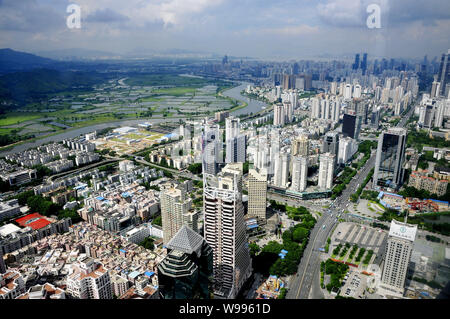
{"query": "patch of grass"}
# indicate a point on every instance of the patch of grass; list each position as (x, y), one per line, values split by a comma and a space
(14, 118)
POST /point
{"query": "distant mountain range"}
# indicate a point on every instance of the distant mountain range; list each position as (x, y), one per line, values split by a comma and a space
(77, 54)
(13, 61)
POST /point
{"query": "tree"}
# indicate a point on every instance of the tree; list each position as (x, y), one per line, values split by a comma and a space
(157, 221)
(254, 249)
(148, 243)
(299, 234)
(195, 168)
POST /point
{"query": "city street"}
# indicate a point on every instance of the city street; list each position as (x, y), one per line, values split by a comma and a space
(307, 275)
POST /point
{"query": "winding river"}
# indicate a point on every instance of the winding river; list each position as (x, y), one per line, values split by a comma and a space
(234, 93)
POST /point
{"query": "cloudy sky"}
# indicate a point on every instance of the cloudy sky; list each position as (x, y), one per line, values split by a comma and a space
(256, 28)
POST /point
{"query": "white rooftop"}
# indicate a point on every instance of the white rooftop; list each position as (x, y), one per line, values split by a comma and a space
(8, 229)
(403, 230)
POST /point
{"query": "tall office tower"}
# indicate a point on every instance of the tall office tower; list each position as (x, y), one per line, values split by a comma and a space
(362, 110)
(444, 73)
(398, 94)
(348, 92)
(184, 273)
(350, 126)
(315, 108)
(426, 116)
(398, 251)
(385, 94)
(439, 113)
(333, 89)
(288, 112)
(335, 110)
(278, 90)
(326, 171)
(232, 127)
(175, 211)
(2, 264)
(347, 148)
(89, 279)
(378, 91)
(295, 68)
(278, 115)
(390, 157)
(388, 83)
(300, 146)
(357, 91)
(212, 155)
(257, 194)
(324, 109)
(236, 149)
(235, 143)
(293, 98)
(356, 64)
(224, 229)
(285, 164)
(435, 87)
(300, 83)
(331, 144)
(299, 173)
(364, 63)
(375, 118)
(308, 81)
(288, 81)
(274, 150)
(262, 157)
(277, 171)
(341, 89)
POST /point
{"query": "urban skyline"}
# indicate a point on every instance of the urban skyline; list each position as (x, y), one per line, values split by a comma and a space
(223, 149)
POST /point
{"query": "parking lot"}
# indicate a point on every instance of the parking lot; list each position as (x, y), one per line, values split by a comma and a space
(354, 286)
(363, 236)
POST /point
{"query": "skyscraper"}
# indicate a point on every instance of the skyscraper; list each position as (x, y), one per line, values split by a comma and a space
(232, 127)
(364, 63)
(299, 173)
(439, 113)
(315, 108)
(444, 73)
(224, 229)
(288, 112)
(175, 212)
(331, 143)
(390, 157)
(348, 91)
(184, 273)
(357, 91)
(356, 64)
(235, 142)
(236, 149)
(349, 125)
(397, 256)
(285, 161)
(347, 147)
(257, 194)
(278, 115)
(212, 155)
(326, 171)
(300, 146)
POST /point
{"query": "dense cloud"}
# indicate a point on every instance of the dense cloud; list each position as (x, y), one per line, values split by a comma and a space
(260, 28)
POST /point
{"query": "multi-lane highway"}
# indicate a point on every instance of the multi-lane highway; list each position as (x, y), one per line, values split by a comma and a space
(306, 283)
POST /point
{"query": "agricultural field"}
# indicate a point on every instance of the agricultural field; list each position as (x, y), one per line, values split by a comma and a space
(135, 97)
